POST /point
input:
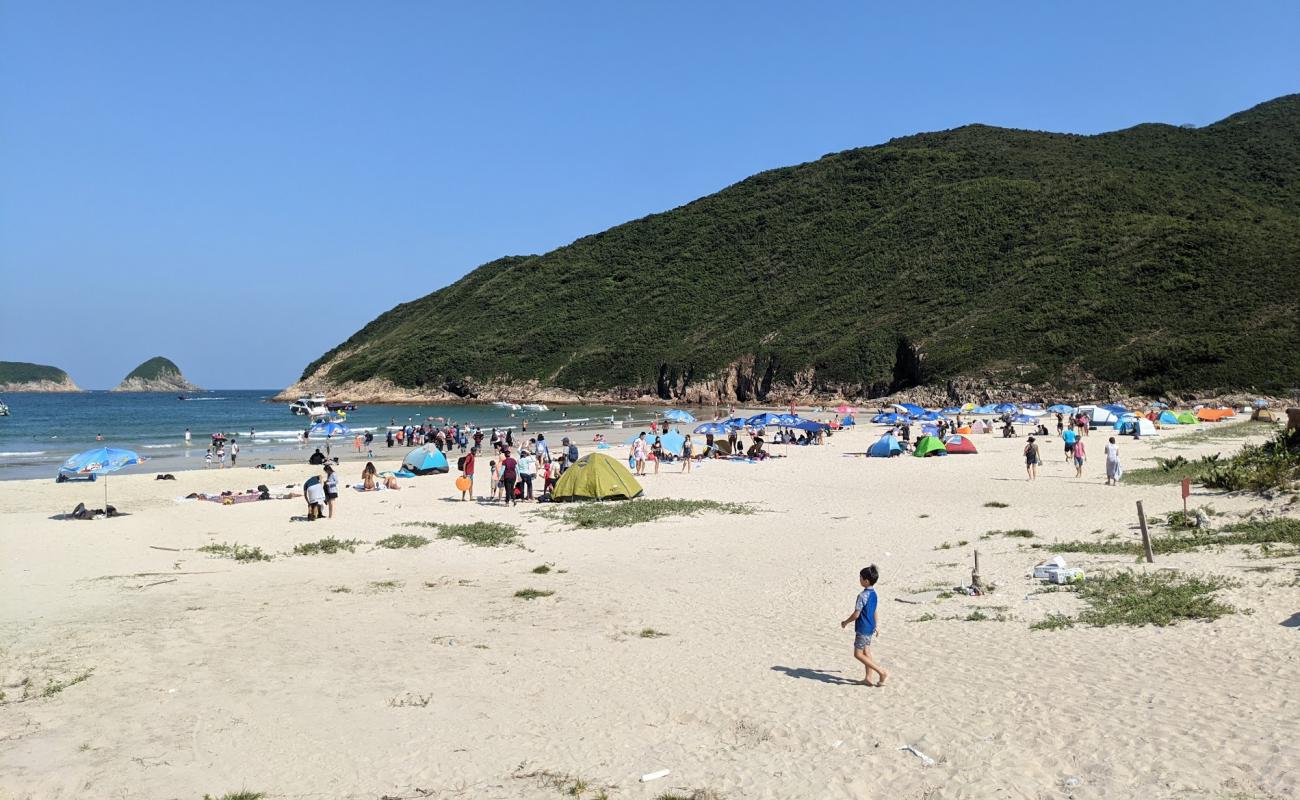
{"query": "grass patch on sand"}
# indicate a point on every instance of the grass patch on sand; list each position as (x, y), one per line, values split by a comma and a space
(400, 541)
(565, 784)
(533, 594)
(481, 534)
(651, 633)
(1135, 599)
(1166, 471)
(542, 569)
(242, 794)
(1214, 432)
(239, 552)
(409, 700)
(340, 590)
(698, 794)
(54, 687)
(385, 586)
(1018, 533)
(329, 546)
(1264, 533)
(996, 504)
(635, 512)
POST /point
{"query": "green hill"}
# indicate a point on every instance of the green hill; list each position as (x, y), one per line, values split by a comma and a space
(1163, 258)
(154, 369)
(24, 372)
(158, 374)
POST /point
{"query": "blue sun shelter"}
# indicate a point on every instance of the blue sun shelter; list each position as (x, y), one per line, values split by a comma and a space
(885, 447)
(425, 460)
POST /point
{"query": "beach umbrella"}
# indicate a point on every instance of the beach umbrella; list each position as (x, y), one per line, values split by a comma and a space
(762, 420)
(735, 423)
(809, 425)
(910, 408)
(1032, 412)
(845, 409)
(965, 407)
(950, 410)
(1061, 408)
(929, 416)
(1023, 419)
(678, 415)
(100, 461)
(787, 420)
(715, 428)
(331, 429)
(1005, 408)
(983, 410)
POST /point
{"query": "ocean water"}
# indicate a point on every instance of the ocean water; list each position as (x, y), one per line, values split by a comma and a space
(44, 429)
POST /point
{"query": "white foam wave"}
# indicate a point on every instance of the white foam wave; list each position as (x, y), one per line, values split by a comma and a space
(156, 446)
(23, 452)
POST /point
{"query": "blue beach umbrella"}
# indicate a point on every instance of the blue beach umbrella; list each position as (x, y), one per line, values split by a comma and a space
(100, 461)
(1061, 408)
(678, 415)
(1023, 419)
(811, 426)
(763, 420)
(1005, 408)
(331, 429)
(787, 420)
(929, 416)
(910, 408)
(715, 428)
(950, 410)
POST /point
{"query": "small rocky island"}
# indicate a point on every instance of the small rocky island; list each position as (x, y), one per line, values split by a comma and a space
(158, 374)
(21, 376)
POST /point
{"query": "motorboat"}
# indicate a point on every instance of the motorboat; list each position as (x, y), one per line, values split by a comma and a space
(343, 406)
(4, 409)
(314, 406)
(535, 407)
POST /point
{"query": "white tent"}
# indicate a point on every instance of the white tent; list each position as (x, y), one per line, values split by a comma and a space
(1098, 415)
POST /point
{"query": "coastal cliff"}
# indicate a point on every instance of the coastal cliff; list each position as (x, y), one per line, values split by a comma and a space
(158, 374)
(1161, 260)
(21, 376)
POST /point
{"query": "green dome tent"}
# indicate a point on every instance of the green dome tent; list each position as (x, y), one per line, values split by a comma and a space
(596, 476)
(929, 446)
(1187, 418)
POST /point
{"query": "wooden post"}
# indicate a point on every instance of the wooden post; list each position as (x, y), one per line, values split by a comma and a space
(1146, 537)
(975, 573)
(1186, 490)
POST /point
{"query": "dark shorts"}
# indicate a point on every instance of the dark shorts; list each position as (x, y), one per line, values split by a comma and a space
(331, 495)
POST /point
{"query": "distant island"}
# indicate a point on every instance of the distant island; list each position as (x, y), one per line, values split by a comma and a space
(1156, 260)
(158, 374)
(21, 376)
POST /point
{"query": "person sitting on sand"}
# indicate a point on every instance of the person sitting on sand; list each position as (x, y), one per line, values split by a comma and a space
(368, 476)
(865, 625)
(317, 458)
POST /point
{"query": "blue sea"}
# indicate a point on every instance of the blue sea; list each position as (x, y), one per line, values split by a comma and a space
(43, 430)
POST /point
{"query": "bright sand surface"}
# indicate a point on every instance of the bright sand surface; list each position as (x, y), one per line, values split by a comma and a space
(212, 676)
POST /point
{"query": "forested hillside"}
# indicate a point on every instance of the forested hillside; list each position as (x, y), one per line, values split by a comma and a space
(1163, 258)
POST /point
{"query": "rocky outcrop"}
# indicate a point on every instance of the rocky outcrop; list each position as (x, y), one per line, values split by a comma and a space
(22, 376)
(65, 385)
(158, 374)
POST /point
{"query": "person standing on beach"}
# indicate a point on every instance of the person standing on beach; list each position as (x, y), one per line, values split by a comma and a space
(509, 473)
(331, 488)
(1069, 437)
(658, 450)
(865, 625)
(639, 449)
(527, 471)
(1080, 455)
(234, 452)
(468, 471)
(221, 455)
(688, 450)
(1031, 458)
(1113, 469)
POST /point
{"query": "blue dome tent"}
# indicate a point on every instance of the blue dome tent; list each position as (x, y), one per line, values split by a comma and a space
(425, 460)
(884, 447)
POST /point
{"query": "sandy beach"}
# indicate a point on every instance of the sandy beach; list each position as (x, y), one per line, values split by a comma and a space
(418, 673)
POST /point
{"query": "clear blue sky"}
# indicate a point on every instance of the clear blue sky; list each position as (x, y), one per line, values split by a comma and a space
(241, 185)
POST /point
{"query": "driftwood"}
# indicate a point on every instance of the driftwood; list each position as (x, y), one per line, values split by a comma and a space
(1293, 418)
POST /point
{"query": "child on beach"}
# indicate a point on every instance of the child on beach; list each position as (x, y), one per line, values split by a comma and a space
(864, 627)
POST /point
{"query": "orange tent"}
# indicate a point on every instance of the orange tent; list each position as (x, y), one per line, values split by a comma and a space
(1213, 414)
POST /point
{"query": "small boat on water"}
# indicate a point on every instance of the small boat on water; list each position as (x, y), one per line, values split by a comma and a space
(343, 406)
(314, 406)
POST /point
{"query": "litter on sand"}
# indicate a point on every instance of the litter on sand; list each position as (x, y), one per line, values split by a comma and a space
(654, 776)
(926, 760)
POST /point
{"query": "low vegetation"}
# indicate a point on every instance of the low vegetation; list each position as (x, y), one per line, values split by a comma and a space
(328, 546)
(1018, 533)
(1273, 465)
(53, 687)
(533, 594)
(565, 784)
(1272, 532)
(243, 794)
(239, 552)
(400, 541)
(542, 569)
(385, 586)
(480, 534)
(996, 504)
(635, 512)
(651, 633)
(1161, 598)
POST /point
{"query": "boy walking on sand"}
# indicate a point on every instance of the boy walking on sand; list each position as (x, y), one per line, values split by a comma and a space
(864, 619)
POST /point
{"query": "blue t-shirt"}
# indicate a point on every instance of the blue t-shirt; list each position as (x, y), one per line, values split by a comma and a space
(866, 608)
(1069, 437)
